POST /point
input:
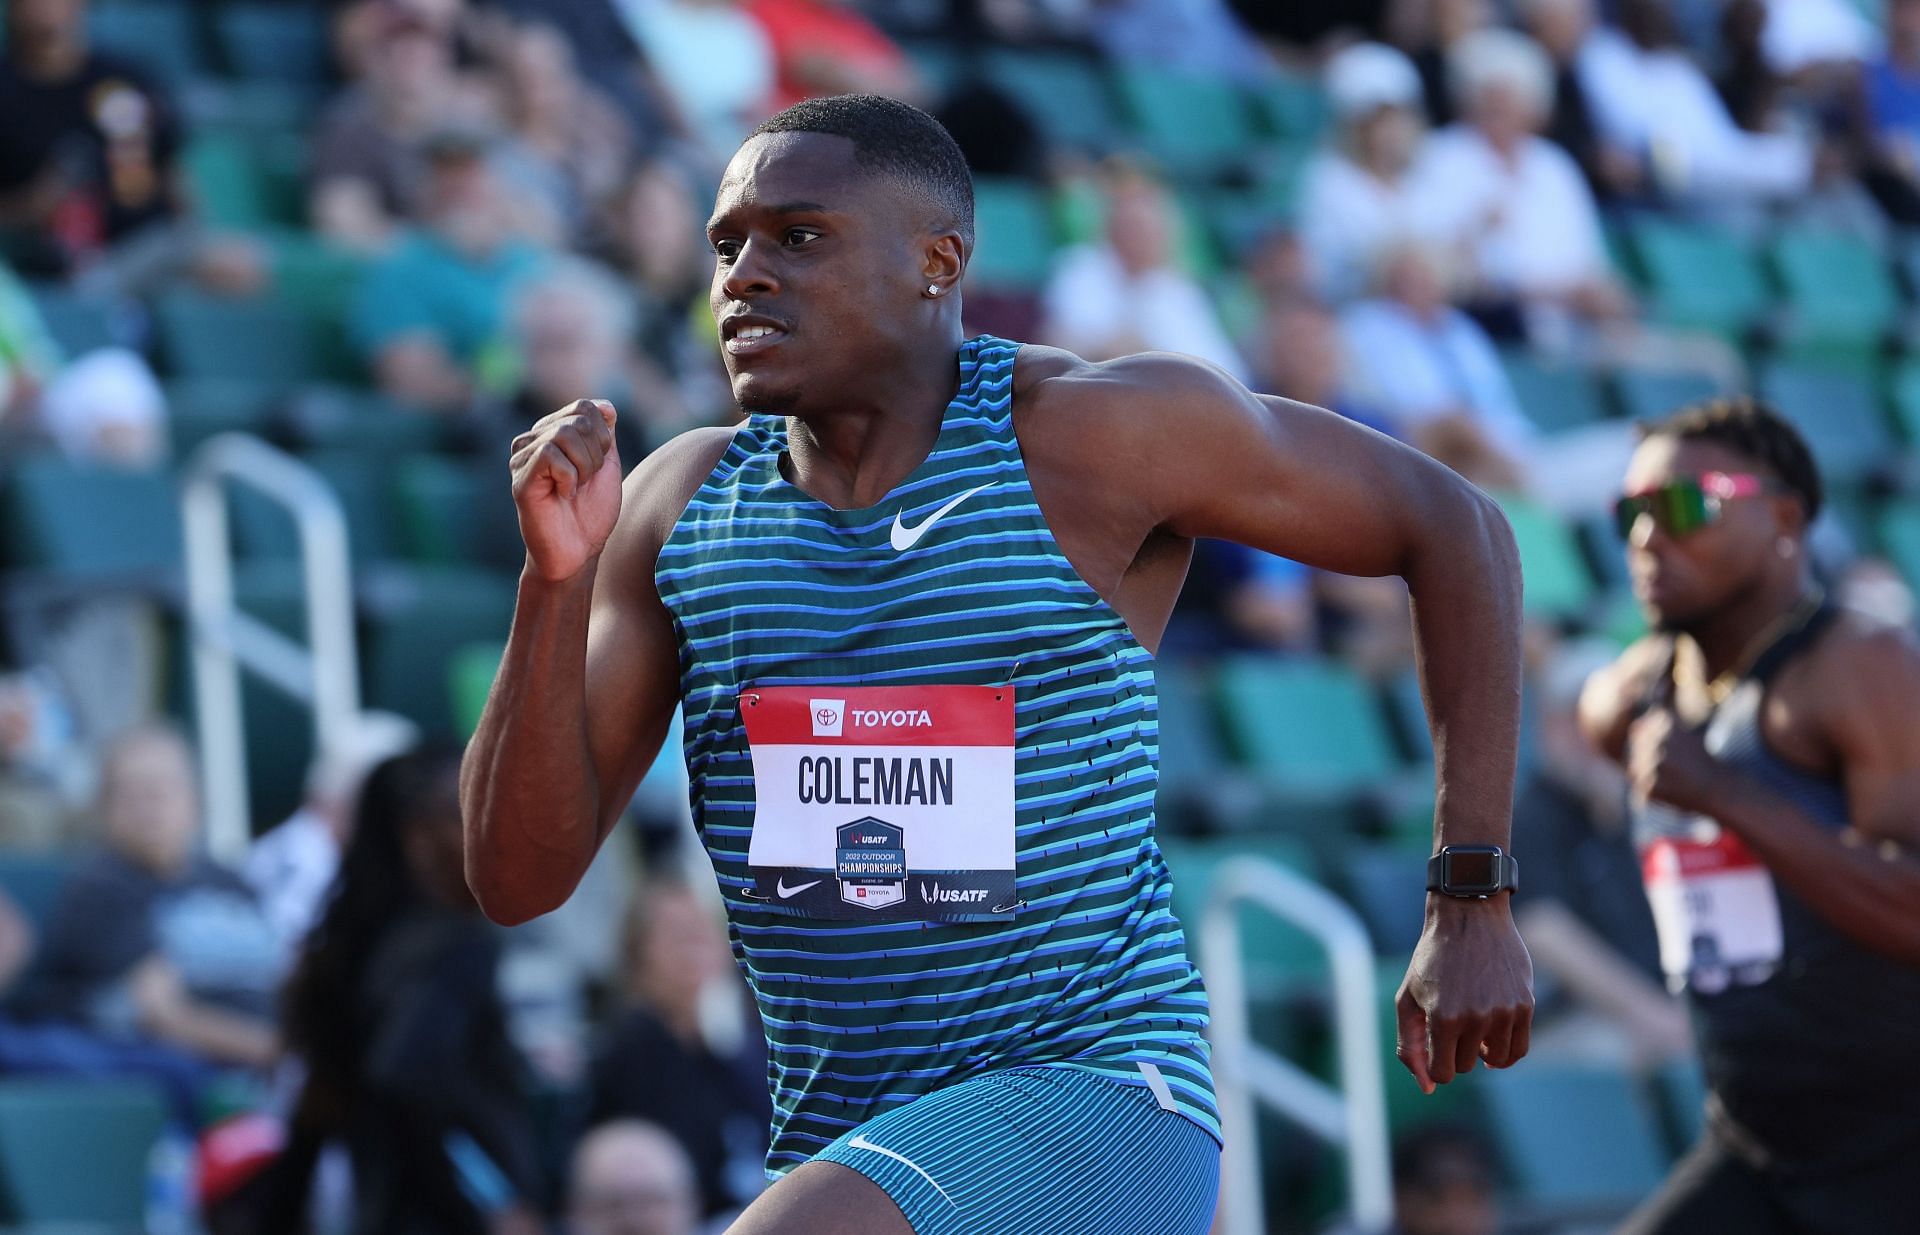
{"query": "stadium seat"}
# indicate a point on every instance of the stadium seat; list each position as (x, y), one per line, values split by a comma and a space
(130, 528)
(470, 677)
(436, 499)
(424, 619)
(1554, 396)
(1840, 415)
(161, 36)
(1558, 585)
(1280, 957)
(32, 881)
(257, 339)
(1292, 107)
(362, 480)
(1683, 1102)
(1840, 292)
(1574, 1138)
(75, 1151)
(273, 41)
(1306, 727)
(1064, 95)
(198, 409)
(244, 183)
(1193, 126)
(1906, 401)
(1014, 235)
(1900, 538)
(1387, 886)
(80, 323)
(1700, 277)
(1650, 394)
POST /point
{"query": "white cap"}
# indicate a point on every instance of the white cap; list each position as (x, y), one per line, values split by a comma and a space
(1370, 75)
(107, 407)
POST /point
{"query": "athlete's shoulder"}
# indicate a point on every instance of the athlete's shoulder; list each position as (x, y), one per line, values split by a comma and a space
(659, 487)
(1139, 397)
(1867, 664)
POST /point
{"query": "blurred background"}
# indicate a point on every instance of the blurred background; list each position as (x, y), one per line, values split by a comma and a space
(244, 987)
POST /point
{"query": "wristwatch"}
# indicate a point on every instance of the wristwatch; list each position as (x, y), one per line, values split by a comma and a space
(1473, 872)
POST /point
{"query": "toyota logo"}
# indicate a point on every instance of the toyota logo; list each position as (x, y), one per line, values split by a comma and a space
(826, 717)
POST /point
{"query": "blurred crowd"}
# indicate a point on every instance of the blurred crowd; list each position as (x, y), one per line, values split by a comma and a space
(504, 200)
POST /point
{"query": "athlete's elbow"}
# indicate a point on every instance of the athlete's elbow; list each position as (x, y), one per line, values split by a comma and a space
(505, 900)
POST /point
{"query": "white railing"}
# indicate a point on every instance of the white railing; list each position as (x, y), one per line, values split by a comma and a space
(1353, 1116)
(322, 673)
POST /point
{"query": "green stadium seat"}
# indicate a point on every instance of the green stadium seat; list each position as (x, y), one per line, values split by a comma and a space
(1574, 1139)
(273, 41)
(470, 677)
(75, 1151)
(325, 417)
(1840, 414)
(1014, 235)
(1193, 126)
(1292, 107)
(1387, 886)
(32, 881)
(1900, 537)
(1701, 278)
(245, 183)
(264, 529)
(1683, 1101)
(1650, 394)
(1306, 727)
(1554, 397)
(1280, 958)
(258, 110)
(80, 323)
(425, 618)
(1558, 584)
(1906, 401)
(161, 36)
(1199, 789)
(1064, 95)
(1840, 291)
(198, 409)
(435, 498)
(258, 339)
(89, 522)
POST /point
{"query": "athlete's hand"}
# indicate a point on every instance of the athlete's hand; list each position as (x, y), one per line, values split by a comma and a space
(1668, 762)
(566, 486)
(1468, 994)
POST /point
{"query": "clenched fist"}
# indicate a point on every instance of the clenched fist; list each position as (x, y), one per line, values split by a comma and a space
(1668, 762)
(566, 487)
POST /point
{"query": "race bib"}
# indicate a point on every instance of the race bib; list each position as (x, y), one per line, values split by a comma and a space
(1714, 907)
(883, 802)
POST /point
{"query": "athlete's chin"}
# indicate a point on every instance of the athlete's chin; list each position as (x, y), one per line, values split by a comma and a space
(759, 396)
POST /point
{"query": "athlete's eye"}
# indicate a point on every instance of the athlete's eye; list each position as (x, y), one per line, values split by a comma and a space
(797, 236)
(726, 250)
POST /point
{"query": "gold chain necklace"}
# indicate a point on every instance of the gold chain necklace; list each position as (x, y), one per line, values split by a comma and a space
(1787, 623)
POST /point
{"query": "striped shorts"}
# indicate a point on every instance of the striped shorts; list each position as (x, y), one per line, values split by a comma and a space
(1053, 1150)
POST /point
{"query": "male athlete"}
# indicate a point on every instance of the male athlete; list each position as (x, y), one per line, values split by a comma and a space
(909, 609)
(1774, 744)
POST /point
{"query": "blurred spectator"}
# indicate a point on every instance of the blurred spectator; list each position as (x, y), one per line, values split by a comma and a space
(1428, 31)
(573, 325)
(570, 146)
(1515, 201)
(1651, 98)
(394, 1012)
(823, 47)
(107, 409)
(1304, 27)
(658, 243)
(1564, 30)
(1803, 36)
(38, 760)
(29, 357)
(151, 940)
(1125, 295)
(631, 1177)
(1582, 911)
(292, 867)
(431, 316)
(1443, 1183)
(88, 164)
(1201, 38)
(609, 57)
(1298, 355)
(1358, 196)
(686, 1054)
(370, 170)
(1434, 374)
(721, 98)
(1889, 115)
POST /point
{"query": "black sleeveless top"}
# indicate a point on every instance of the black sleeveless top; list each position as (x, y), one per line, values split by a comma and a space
(1808, 1051)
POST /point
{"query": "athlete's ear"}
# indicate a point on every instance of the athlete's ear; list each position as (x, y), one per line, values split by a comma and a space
(1789, 516)
(942, 261)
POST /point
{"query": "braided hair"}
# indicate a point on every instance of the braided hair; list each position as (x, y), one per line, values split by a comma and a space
(1753, 428)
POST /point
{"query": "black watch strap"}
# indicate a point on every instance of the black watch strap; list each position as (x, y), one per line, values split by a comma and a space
(1472, 871)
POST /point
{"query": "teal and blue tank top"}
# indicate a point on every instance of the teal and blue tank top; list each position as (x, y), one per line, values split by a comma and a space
(769, 588)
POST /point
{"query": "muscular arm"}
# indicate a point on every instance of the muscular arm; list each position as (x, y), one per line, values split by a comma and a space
(585, 691)
(1865, 881)
(1207, 458)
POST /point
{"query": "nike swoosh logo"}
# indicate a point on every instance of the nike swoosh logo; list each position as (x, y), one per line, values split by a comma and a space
(905, 538)
(858, 1141)
(785, 891)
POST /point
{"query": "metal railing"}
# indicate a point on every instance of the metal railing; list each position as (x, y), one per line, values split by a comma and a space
(322, 673)
(1353, 1116)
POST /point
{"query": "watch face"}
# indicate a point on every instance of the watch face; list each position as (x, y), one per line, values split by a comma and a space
(1472, 871)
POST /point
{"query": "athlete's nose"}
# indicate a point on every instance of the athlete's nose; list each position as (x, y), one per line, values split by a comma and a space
(752, 273)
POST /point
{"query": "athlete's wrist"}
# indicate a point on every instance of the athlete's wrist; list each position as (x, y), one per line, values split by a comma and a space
(581, 580)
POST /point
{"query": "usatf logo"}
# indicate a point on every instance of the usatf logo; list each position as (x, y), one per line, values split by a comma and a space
(934, 894)
(829, 715)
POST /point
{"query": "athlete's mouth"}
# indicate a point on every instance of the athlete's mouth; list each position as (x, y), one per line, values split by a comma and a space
(746, 333)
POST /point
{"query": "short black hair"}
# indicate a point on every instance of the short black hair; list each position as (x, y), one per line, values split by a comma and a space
(1756, 429)
(892, 139)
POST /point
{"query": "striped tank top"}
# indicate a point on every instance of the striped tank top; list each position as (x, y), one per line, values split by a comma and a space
(770, 588)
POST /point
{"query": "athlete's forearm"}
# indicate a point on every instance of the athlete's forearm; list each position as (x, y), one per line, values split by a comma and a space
(1867, 890)
(529, 794)
(1464, 578)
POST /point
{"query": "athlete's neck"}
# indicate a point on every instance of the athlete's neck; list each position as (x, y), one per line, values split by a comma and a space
(1727, 637)
(854, 455)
